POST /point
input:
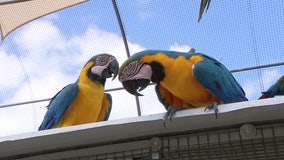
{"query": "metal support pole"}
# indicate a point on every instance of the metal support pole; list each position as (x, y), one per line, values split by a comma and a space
(126, 47)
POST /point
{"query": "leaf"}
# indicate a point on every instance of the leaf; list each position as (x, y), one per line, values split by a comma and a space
(204, 4)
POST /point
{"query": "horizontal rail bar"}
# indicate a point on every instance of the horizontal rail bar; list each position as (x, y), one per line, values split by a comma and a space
(48, 99)
(22, 103)
(258, 67)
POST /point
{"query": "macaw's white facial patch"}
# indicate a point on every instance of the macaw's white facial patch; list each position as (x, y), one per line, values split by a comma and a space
(145, 72)
(136, 70)
(98, 69)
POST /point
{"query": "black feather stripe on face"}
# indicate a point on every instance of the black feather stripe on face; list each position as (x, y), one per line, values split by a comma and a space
(95, 78)
(158, 72)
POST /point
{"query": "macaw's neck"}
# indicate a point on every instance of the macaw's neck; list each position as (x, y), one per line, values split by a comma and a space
(86, 76)
(158, 72)
(167, 65)
(95, 78)
(158, 62)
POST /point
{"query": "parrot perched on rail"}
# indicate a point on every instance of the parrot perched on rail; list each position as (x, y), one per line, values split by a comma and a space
(183, 80)
(276, 89)
(83, 101)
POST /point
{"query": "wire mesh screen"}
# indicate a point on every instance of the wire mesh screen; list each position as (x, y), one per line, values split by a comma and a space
(268, 148)
(127, 155)
(225, 145)
(267, 143)
(40, 58)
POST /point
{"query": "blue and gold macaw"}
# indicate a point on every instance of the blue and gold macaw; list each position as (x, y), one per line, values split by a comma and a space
(83, 101)
(184, 80)
(276, 89)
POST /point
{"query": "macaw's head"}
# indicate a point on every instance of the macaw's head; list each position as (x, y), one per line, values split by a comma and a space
(100, 67)
(136, 75)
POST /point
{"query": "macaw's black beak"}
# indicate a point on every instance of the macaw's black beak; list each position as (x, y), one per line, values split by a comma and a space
(133, 85)
(111, 70)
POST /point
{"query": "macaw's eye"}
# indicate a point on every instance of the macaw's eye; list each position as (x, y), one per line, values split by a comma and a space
(132, 69)
(101, 60)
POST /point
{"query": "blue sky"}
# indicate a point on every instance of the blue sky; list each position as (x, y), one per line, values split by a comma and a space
(43, 56)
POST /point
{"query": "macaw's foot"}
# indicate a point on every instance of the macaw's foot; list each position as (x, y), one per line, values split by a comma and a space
(170, 113)
(213, 106)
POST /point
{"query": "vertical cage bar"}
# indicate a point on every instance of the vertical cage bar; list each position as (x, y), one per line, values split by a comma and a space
(125, 45)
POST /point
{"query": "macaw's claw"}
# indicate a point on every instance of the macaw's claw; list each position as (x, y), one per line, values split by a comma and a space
(213, 106)
(170, 113)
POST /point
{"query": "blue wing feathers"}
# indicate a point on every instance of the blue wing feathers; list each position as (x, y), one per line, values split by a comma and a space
(58, 105)
(160, 97)
(110, 106)
(218, 80)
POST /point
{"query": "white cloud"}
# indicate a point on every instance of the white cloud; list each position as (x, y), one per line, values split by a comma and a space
(180, 48)
(39, 37)
(143, 2)
(95, 41)
(52, 61)
(252, 87)
(270, 77)
(12, 120)
(15, 72)
(145, 15)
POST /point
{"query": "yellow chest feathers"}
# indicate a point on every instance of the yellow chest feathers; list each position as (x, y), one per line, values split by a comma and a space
(86, 107)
